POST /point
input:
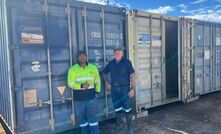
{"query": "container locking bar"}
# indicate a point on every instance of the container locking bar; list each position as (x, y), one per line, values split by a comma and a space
(84, 14)
(105, 60)
(162, 58)
(151, 56)
(51, 120)
(68, 11)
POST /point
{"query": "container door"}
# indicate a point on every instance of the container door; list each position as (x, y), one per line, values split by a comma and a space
(217, 58)
(203, 58)
(59, 53)
(41, 60)
(187, 37)
(45, 40)
(149, 55)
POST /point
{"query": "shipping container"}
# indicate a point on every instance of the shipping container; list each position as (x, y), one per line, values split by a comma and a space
(154, 49)
(200, 57)
(175, 59)
(39, 42)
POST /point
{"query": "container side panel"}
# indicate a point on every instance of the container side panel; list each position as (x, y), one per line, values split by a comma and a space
(5, 82)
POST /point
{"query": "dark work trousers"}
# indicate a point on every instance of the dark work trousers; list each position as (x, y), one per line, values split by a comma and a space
(122, 102)
(86, 113)
(123, 107)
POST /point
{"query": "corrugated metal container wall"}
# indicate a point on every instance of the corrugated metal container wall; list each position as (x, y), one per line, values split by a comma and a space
(154, 52)
(217, 57)
(203, 57)
(45, 38)
(200, 57)
(6, 96)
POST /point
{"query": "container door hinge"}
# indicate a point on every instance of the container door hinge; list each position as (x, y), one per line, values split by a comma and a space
(68, 9)
(102, 13)
(45, 7)
(51, 123)
(190, 69)
(49, 73)
(49, 102)
(191, 47)
(84, 12)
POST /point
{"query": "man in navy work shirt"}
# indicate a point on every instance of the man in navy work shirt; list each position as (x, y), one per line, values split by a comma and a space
(122, 87)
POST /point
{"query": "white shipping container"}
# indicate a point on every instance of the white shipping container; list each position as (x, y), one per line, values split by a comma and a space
(154, 50)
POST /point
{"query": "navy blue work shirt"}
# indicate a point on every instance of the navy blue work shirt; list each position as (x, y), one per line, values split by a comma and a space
(120, 72)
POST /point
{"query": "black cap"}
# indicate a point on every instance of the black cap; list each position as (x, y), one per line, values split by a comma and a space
(82, 53)
(118, 48)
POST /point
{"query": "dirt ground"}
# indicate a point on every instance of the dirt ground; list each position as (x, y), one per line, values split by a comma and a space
(199, 117)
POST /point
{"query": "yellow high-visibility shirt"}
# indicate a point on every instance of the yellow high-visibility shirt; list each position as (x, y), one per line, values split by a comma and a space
(78, 76)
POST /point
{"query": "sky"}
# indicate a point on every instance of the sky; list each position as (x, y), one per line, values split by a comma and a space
(208, 10)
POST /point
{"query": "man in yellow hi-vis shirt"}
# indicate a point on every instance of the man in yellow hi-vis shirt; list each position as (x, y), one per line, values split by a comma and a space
(85, 81)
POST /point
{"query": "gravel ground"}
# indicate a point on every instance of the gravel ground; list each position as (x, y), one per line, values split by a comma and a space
(199, 117)
(202, 116)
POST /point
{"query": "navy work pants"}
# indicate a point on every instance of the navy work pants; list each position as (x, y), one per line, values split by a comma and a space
(86, 113)
(122, 102)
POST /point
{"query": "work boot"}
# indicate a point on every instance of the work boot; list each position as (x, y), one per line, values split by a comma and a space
(119, 121)
(129, 121)
(94, 129)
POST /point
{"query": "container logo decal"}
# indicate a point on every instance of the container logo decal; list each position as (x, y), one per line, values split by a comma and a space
(31, 35)
(30, 98)
(143, 38)
(29, 38)
(35, 66)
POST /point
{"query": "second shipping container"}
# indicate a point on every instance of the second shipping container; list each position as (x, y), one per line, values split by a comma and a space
(154, 49)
